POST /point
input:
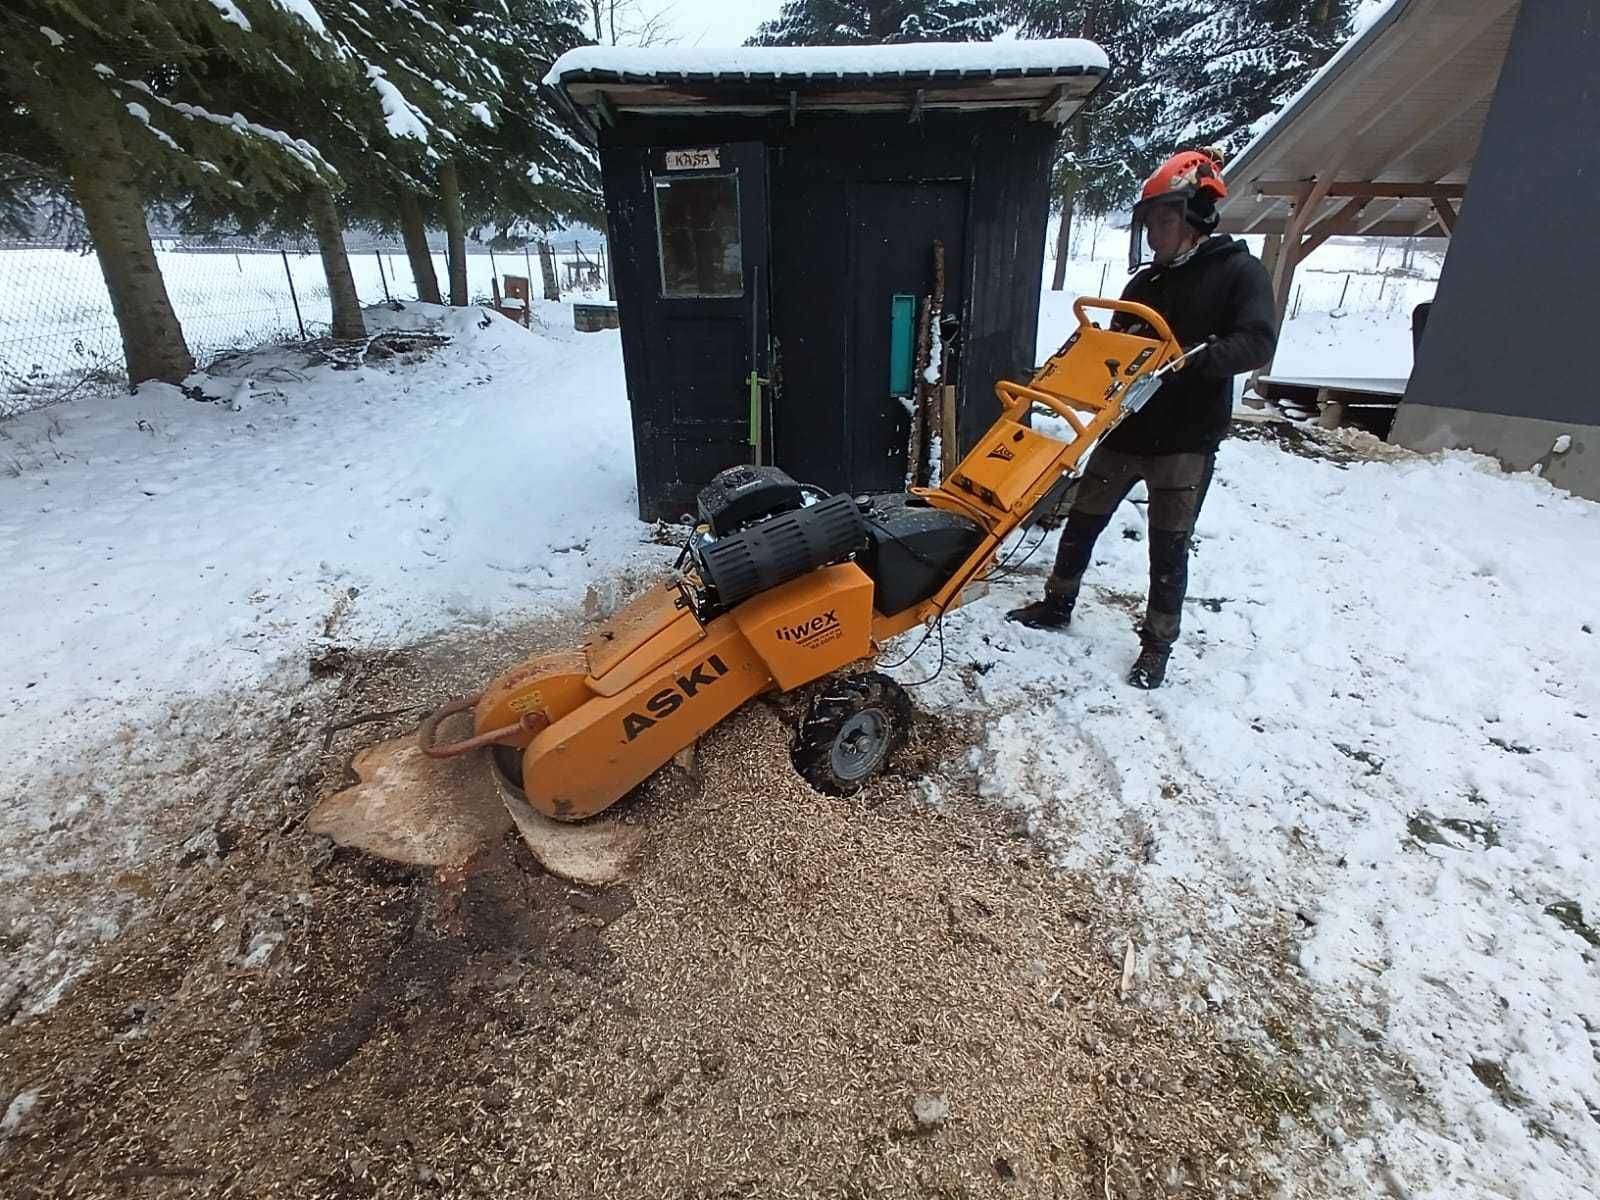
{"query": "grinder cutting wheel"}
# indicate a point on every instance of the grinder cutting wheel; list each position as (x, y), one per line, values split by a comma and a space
(781, 586)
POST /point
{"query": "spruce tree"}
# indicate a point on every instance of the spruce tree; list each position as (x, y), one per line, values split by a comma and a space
(90, 93)
(1105, 152)
(1235, 62)
(875, 22)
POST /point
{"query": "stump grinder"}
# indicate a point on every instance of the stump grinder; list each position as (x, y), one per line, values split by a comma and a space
(781, 586)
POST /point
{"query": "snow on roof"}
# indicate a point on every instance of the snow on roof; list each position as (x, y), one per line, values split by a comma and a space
(1053, 56)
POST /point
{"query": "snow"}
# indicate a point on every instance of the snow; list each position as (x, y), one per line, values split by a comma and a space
(1323, 712)
(1562, 444)
(299, 149)
(481, 110)
(230, 12)
(930, 373)
(306, 11)
(1363, 806)
(142, 114)
(399, 114)
(393, 483)
(975, 58)
(51, 36)
(17, 1111)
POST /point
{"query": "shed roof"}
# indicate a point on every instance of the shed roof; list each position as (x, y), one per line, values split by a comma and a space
(1382, 140)
(1052, 78)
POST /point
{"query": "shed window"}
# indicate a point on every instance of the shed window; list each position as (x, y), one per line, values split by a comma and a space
(697, 222)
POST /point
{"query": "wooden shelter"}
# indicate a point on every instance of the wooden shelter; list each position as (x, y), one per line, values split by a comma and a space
(1473, 121)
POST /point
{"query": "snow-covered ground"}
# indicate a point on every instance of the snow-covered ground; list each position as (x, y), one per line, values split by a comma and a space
(1382, 732)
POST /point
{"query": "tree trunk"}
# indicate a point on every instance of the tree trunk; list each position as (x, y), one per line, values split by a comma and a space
(414, 231)
(456, 230)
(113, 209)
(342, 296)
(1063, 239)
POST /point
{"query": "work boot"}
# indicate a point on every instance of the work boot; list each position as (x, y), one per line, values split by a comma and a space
(1052, 612)
(1150, 668)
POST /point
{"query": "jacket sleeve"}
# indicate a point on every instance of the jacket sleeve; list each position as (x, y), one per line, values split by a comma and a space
(1247, 334)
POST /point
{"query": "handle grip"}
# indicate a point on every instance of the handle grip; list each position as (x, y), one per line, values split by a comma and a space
(1132, 308)
(428, 732)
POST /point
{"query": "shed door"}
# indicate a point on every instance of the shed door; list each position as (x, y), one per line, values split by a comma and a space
(846, 249)
(704, 238)
(893, 233)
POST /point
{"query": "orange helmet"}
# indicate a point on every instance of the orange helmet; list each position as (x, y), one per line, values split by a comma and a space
(1191, 178)
(1189, 174)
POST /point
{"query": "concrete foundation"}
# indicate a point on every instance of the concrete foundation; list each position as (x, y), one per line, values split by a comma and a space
(1519, 443)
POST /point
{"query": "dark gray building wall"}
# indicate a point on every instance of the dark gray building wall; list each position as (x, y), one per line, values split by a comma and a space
(1516, 317)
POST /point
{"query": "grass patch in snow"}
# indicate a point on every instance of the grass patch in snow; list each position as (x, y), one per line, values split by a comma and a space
(1430, 830)
(1570, 915)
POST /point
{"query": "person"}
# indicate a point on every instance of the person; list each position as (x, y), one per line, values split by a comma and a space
(1216, 295)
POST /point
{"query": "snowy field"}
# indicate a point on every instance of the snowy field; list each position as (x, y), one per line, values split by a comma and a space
(1350, 313)
(1359, 821)
(57, 331)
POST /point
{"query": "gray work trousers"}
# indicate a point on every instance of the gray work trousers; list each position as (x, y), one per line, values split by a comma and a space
(1177, 484)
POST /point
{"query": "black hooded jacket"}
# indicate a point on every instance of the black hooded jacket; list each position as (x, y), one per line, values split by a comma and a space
(1221, 290)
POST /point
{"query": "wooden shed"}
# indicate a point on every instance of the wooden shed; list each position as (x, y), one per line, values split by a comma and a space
(774, 214)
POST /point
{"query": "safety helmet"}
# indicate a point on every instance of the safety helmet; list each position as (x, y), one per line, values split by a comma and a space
(1192, 178)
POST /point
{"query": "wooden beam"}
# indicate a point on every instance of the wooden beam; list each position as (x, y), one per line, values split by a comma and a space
(1342, 221)
(1050, 110)
(1289, 257)
(1403, 191)
(603, 106)
(1378, 213)
(1447, 215)
(794, 106)
(1264, 209)
(917, 98)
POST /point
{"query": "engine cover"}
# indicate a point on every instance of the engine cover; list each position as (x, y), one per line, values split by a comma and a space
(779, 549)
(739, 495)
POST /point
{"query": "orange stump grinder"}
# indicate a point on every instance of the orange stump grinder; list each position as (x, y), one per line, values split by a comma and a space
(780, 586)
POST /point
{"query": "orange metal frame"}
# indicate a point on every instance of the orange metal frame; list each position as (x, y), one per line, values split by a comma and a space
(594, 723)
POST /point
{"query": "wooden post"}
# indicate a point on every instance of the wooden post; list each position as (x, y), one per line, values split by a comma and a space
(547, 267)
(1271, 248)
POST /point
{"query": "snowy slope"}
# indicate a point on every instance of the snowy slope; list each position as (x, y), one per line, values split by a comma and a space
(153, 545)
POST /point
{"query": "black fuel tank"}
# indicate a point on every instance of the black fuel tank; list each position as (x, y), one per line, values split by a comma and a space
(912, 549)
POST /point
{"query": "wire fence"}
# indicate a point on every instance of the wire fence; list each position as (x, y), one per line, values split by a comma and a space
(59, 338)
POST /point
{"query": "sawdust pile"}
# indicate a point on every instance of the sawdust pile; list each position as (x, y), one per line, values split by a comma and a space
(867, 997)
(795, 995)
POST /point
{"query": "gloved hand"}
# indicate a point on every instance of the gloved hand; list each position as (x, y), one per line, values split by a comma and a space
(1196, 353)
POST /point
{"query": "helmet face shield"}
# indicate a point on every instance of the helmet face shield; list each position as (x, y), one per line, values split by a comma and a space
(1139, 250)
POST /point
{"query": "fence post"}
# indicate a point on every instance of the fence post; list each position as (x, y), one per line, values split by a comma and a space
(547, 267)
(1344, 291)
(289, 275)
(527, 265)
(1104, 267)
(388, 299)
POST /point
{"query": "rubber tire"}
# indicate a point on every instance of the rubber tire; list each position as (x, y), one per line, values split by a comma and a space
(827, 718)
(507, 762)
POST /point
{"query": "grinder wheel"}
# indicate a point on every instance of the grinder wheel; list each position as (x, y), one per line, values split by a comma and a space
(850, 731)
